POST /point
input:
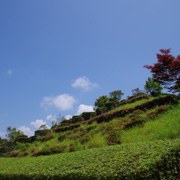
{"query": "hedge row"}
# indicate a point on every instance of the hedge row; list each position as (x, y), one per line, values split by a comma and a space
(120, 113)
(134, 99)
(150, 160)
(42, 132)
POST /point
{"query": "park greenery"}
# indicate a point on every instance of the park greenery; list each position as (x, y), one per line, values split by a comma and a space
(133, 138)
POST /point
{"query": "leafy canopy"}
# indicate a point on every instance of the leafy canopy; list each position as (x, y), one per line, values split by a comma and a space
(101, 101)
(13, 134)
(116, 95)
(152, 87)
(167, 70)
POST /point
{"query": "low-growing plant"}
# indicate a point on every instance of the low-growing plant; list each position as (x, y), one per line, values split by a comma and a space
(113, 136)
(62, 137)
(84, 139)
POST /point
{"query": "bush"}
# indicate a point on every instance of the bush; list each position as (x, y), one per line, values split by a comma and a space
(23, 139)
(71, 147)
(101, 110)
(133, 99)
(42, 132)
(45, 138)
(111, 105)
(84, 139)
(62, 137)
(112, 136)
(88, 115)
(2, 149)
(152, 87)
(76, 119)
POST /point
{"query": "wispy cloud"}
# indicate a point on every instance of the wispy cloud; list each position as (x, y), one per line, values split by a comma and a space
(26, 130)
(38, 123)
(84, 108)
(84, 83)
(62, 102)
(67, 117)
(51, 117)
(9, 72)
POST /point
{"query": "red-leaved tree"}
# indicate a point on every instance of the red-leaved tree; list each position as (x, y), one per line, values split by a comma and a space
(167, 70)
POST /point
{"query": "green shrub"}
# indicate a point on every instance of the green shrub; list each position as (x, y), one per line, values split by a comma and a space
(71, 147)
(23, 139)
(66, 122)
(84, 139)
(113, 136)
(45, 138)
(62, 137)
(76, 119)
(42, 132)
(101, 110)
(88, 115)
(111, 105)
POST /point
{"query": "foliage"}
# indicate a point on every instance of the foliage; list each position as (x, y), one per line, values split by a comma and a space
(101, 101)
(88, 115)
(45, 138)
(133, 99)
(12, 134)
(42, 132)
(101, 110)
(150, 160)
(111, 104)
(167, 70)
(23, 139)
(108, 102)
(76, 119)
(116, 95)
(152, 87)
(136, 92)
(106, 117)
(113, 136)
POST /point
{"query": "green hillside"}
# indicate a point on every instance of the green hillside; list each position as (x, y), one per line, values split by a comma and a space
(139, 139)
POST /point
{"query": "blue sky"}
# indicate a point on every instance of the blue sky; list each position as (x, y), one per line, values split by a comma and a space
(58, 57)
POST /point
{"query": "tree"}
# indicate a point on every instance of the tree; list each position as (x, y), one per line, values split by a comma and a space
(101, 101)
(152, 87)
(136, 92)
(116, 95)
(13, 134)
(167, 70)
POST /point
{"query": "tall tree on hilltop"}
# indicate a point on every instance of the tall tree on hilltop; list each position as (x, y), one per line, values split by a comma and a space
(152, 87)
(167, 70)
(116, 95)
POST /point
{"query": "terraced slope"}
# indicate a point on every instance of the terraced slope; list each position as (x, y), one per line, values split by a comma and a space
(138, 142)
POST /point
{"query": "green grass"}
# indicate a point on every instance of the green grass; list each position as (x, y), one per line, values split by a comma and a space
(129, 161)
(131, 105)
(165, 126)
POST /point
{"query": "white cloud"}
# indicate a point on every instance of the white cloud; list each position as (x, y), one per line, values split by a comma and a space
(84, 83)
(38, 123)
(67, 117)
(62, 102)
(9, 72)
(2, 134)
(26, 130)
(84, 108)
(51, 117)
